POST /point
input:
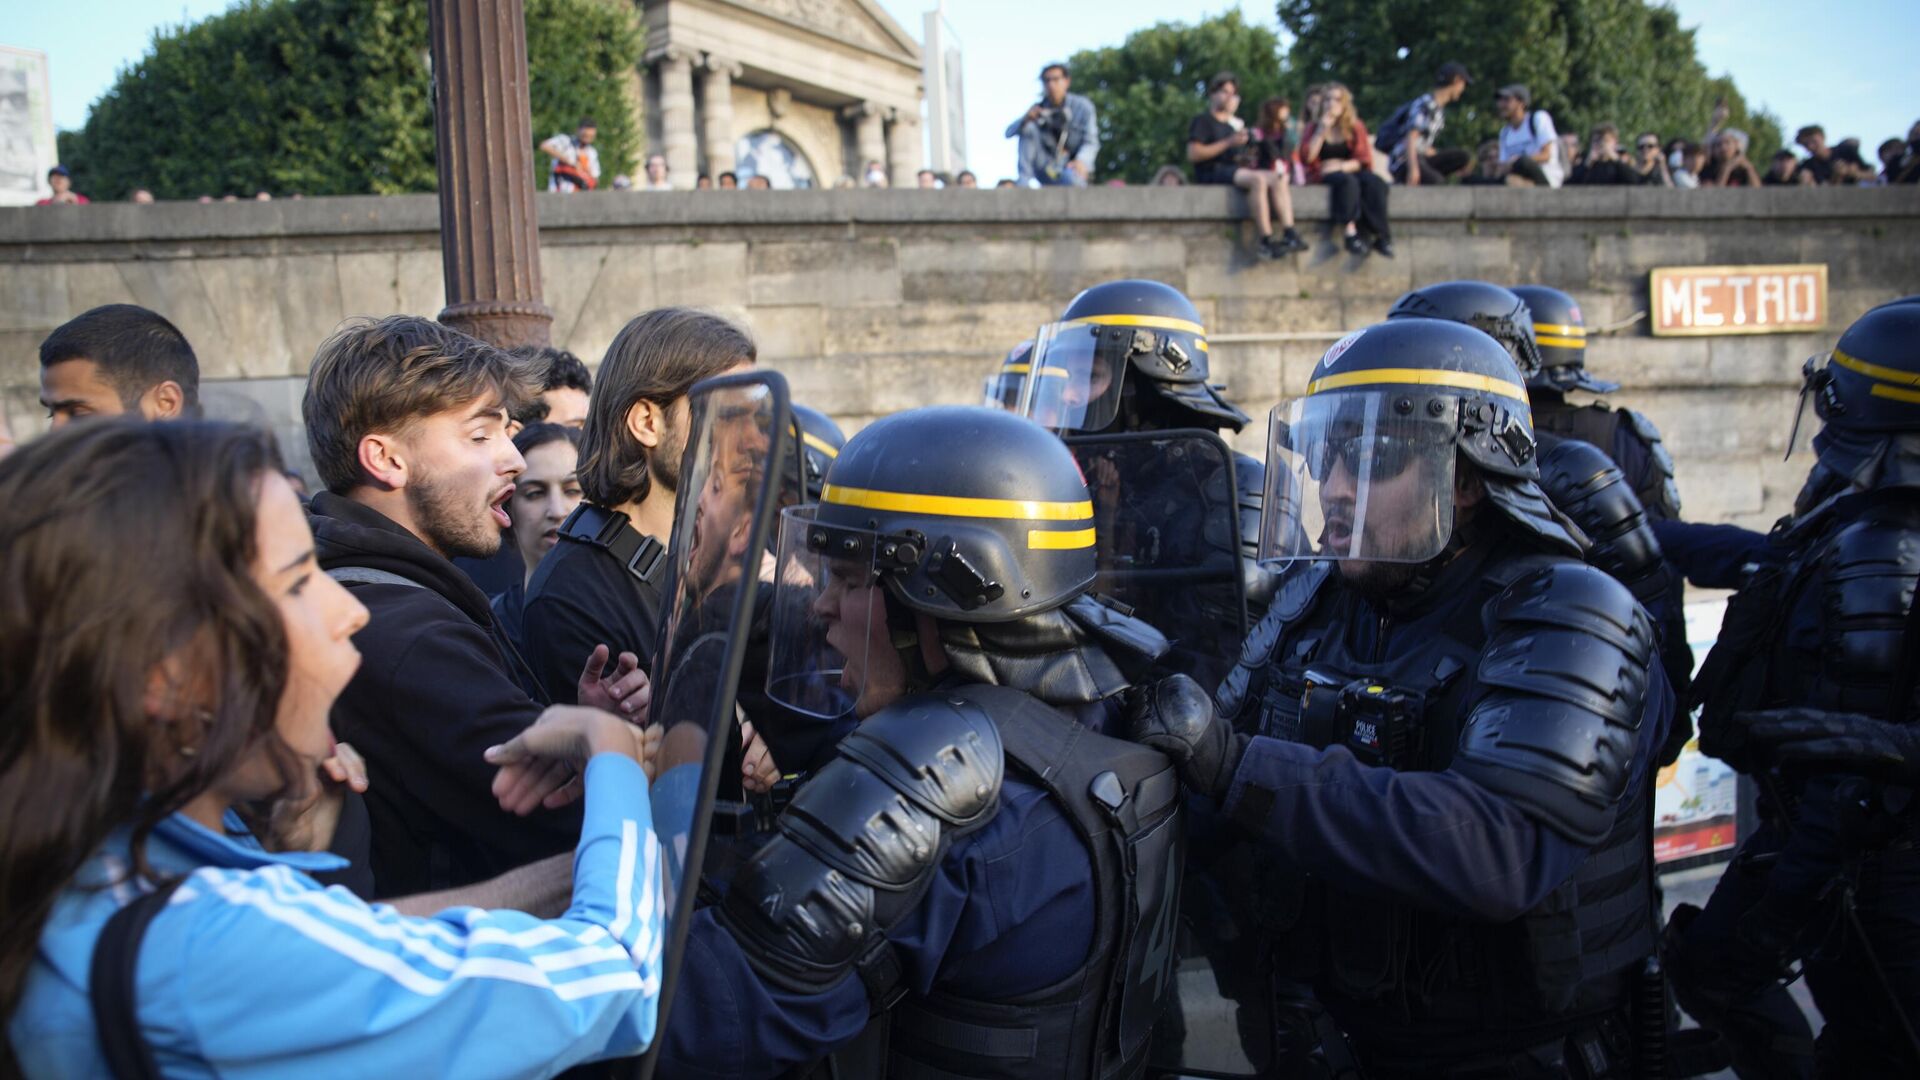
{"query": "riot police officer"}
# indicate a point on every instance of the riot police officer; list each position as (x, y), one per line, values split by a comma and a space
(1123, 376)
(1832, 876)
(1578, 476)
(820, 442)
(1441, 735)
(979, 869)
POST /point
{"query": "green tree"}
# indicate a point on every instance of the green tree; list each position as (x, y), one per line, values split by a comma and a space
(1148, 89)
(331, 97)
(1586, 61)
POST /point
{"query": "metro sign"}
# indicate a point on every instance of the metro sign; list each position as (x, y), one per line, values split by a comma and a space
(1704, 301)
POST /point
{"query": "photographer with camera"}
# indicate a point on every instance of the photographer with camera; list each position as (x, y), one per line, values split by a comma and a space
(1058, 135)
(1604, 163)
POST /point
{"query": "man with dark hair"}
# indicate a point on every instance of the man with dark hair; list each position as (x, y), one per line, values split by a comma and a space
(564, 385)
(601, 582)
(1410, 132)
(114, 359)
(1059, 134)
(1823, 163)
(576, 163)
(407, 424)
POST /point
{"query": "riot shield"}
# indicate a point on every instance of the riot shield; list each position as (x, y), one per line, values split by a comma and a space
(1166, 518)
(731, 478)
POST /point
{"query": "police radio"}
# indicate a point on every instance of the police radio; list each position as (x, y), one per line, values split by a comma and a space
(1378, 723)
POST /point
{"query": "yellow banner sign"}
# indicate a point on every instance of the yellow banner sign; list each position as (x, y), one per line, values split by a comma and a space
(1704, 301)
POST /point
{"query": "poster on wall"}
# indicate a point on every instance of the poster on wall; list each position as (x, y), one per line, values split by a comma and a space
(1696, 800)
(27, 148)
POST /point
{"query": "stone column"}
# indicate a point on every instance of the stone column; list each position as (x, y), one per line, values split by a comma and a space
(489, 237)
(904, 153)
(869, 122)
(716, 103)
(677, 139)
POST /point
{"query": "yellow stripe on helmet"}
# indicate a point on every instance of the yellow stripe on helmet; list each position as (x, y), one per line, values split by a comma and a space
(1896, 393)
(1560, 329)
(1059, 539)
(1875, 371)
(819, 444)
(1157, 322)
(1047, 371)
(902, 502)
(1561, 342)
(1459, 380)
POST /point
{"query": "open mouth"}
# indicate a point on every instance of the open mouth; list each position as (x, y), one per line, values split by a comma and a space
(1337, 535)
(499, 507)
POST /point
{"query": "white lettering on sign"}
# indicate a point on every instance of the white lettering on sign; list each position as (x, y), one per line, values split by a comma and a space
(1707, 300)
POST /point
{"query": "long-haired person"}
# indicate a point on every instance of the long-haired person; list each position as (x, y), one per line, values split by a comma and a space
(543, 495)
(1336, 153)
(169, 651)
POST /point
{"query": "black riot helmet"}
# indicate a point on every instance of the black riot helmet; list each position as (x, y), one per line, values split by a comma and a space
(820, 440)
(1870, 383)
(1561, 336)
(967, 514)
(1003, 388)
(1122, 337)
(1492, 309)
(1362, 466)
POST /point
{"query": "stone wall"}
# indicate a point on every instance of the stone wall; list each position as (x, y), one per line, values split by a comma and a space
(873, 301)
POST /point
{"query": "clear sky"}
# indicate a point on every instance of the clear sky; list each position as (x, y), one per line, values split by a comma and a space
(1849, 66)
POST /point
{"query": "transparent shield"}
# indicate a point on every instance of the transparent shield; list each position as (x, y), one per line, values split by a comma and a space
(730, 480)
(1075, 377)
(1357, 476)
(1166, 519)
(828, 610)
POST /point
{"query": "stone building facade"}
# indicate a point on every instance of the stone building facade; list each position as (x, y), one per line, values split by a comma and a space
(805, 92)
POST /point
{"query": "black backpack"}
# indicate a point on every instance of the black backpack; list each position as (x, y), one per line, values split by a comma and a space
(1394, 130)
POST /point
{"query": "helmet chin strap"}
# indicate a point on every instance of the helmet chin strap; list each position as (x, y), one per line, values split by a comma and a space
(903, 633)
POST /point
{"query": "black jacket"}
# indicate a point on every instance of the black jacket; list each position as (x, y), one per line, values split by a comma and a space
(436, 687)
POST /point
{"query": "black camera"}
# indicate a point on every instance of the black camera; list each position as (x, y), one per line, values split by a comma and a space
(1378, 723)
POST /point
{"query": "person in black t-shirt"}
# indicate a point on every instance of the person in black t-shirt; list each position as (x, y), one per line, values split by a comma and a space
(1785, 171)
(1221, 150)
(1604, 163)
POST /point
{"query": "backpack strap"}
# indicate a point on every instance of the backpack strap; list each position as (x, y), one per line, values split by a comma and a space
(367, 575)
(111, 986)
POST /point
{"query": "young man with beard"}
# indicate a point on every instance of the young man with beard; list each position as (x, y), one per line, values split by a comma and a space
(407, 424)
(117, 359)
(601, 582)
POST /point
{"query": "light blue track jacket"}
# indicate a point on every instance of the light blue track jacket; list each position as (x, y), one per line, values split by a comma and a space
(254, 970)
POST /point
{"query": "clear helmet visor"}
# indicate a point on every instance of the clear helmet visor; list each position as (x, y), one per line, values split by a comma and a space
(1075, 380)
(1002, 389)
(1352, 475)
(829, 614)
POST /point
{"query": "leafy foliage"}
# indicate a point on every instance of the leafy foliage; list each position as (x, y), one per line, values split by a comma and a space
(1148, 89)
(332, 97)
(1586, 62)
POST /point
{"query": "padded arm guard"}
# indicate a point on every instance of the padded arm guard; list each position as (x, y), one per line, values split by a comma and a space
(1655, 486)
(854, 852)
(1869, 588)
(1584, 483)
(1566, 662)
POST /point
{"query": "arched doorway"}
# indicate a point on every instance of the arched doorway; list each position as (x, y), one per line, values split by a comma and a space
(768, 153)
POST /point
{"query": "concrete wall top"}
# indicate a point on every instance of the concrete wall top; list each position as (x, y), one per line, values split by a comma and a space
(23, 229)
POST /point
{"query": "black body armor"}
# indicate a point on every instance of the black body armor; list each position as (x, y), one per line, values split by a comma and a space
(1527, 673)
(855, 850)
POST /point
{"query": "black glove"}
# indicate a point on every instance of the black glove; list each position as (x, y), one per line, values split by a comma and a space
(1819, 741)
(1176, 717)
